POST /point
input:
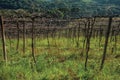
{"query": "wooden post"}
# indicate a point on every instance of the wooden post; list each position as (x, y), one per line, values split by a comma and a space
(3, 39)
(24, 37)
(106, 42)
(18, 35)
(47, 35)
(33, 52)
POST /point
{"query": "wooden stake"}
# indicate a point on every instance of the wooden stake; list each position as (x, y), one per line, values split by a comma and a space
(24, 37)
(33, 52)
(18, 36)
(3, 39)
(106, 42)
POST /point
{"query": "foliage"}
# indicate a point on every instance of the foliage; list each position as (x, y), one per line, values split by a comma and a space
(66, 8)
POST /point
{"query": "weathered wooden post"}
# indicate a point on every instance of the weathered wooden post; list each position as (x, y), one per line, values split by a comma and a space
(106, 42)
(18, 35)
(33, 36)
(24, 31)
(3, 39)
(47, 35)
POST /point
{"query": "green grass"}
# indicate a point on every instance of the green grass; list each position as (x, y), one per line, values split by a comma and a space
(60, 61)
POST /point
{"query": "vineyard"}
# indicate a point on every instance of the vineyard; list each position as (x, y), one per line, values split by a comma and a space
(39, 48)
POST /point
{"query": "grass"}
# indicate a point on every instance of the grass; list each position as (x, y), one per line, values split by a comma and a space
(60, 61)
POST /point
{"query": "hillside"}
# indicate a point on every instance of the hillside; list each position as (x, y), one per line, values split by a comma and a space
(65, 8)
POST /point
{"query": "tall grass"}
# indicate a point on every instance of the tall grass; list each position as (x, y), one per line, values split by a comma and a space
(61, 61)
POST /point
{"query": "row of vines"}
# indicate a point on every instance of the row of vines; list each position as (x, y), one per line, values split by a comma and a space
(74, 29)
